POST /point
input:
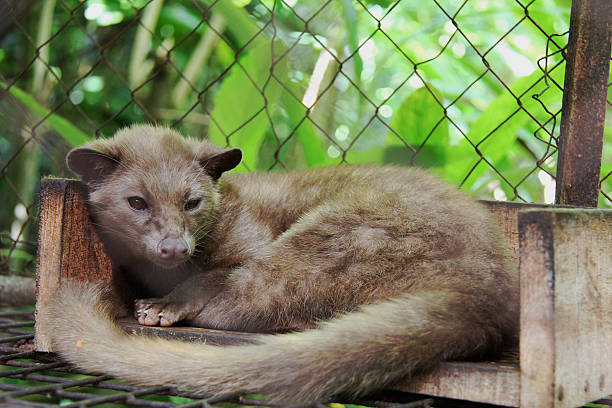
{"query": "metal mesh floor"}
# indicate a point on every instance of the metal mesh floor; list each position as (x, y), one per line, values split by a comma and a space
(32, 379)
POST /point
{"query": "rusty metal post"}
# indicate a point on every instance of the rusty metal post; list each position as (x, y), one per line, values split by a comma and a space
(584, 103)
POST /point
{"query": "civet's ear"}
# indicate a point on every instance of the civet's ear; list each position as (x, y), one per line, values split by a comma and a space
(92, 165)
(219, 163)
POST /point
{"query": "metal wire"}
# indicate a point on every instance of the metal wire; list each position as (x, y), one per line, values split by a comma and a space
(299, 39)
(33, 379)
(345, 114)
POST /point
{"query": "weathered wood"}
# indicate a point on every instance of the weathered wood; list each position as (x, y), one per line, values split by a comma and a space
(68, 247)
(566, 306)
(536, 286)
(583, 306)
(506, 215)
(584, 103)
(17, 290)
(192, 334)
(492, 382)
(83, 256)
(49, 254)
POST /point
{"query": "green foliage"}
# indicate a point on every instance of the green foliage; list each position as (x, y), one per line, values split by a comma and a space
(505, 117)
(244, 104)
(321, 83)
(63, 127)
(420, 123)
(17, 253)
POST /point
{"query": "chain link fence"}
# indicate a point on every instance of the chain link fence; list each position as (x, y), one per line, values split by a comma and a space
(471, 90)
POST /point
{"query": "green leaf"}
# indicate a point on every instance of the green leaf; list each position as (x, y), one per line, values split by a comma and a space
(240, 107)
(179, 15)
(383, 3)
(240, 24)
(375, 155)
(350, 17)
(420, 123)
(315, 151)
(500, 119)
(16, 254)
(67, 130)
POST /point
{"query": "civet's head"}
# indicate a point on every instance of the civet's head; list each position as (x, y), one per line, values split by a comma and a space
(152, 191)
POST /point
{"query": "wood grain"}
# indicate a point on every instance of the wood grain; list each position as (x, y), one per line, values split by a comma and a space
(83, 256)
(49, 254)
(492, 382)
(583, 114)
(191, 334)
(68, 247)
(537, 310)
(583, 306)
(506, 215)
(566, 306)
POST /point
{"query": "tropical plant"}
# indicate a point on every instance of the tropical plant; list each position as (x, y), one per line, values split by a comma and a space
(294, 83)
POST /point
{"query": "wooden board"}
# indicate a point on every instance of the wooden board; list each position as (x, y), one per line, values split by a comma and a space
(68, 247)
(566, 306)
(193, 334)
(492, 382)
(506, 215)
(585, 94)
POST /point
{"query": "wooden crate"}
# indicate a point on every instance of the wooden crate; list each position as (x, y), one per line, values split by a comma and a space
(565, 258)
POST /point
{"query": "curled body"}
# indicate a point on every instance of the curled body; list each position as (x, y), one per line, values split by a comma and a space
(368, 274)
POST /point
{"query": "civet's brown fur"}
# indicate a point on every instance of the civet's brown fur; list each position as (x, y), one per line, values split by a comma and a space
(379, 271)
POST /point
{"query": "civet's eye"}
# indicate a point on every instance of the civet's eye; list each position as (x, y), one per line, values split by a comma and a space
(137, 203)
(192, 204)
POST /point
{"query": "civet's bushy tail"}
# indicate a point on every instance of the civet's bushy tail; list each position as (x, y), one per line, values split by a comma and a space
(351, 355)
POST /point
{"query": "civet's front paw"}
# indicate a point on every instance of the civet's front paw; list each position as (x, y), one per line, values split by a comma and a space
(161, 311)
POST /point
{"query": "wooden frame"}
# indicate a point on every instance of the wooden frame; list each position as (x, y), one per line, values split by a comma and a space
(565, 262)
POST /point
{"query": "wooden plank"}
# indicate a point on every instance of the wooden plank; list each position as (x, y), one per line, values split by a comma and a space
(566, 307)
(506, 215)
(192, 334)
(492, 382)
(49, 254)
(584, 103)
(583, 306)
(537, 311)
(83, 255)
(69, 248)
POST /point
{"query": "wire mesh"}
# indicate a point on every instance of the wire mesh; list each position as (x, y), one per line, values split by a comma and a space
(33, 379)
(471, 90)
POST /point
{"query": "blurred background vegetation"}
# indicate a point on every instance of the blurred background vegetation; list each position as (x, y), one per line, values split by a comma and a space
(471, 90)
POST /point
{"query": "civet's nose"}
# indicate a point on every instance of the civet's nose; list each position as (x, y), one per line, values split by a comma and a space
(173, 249)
